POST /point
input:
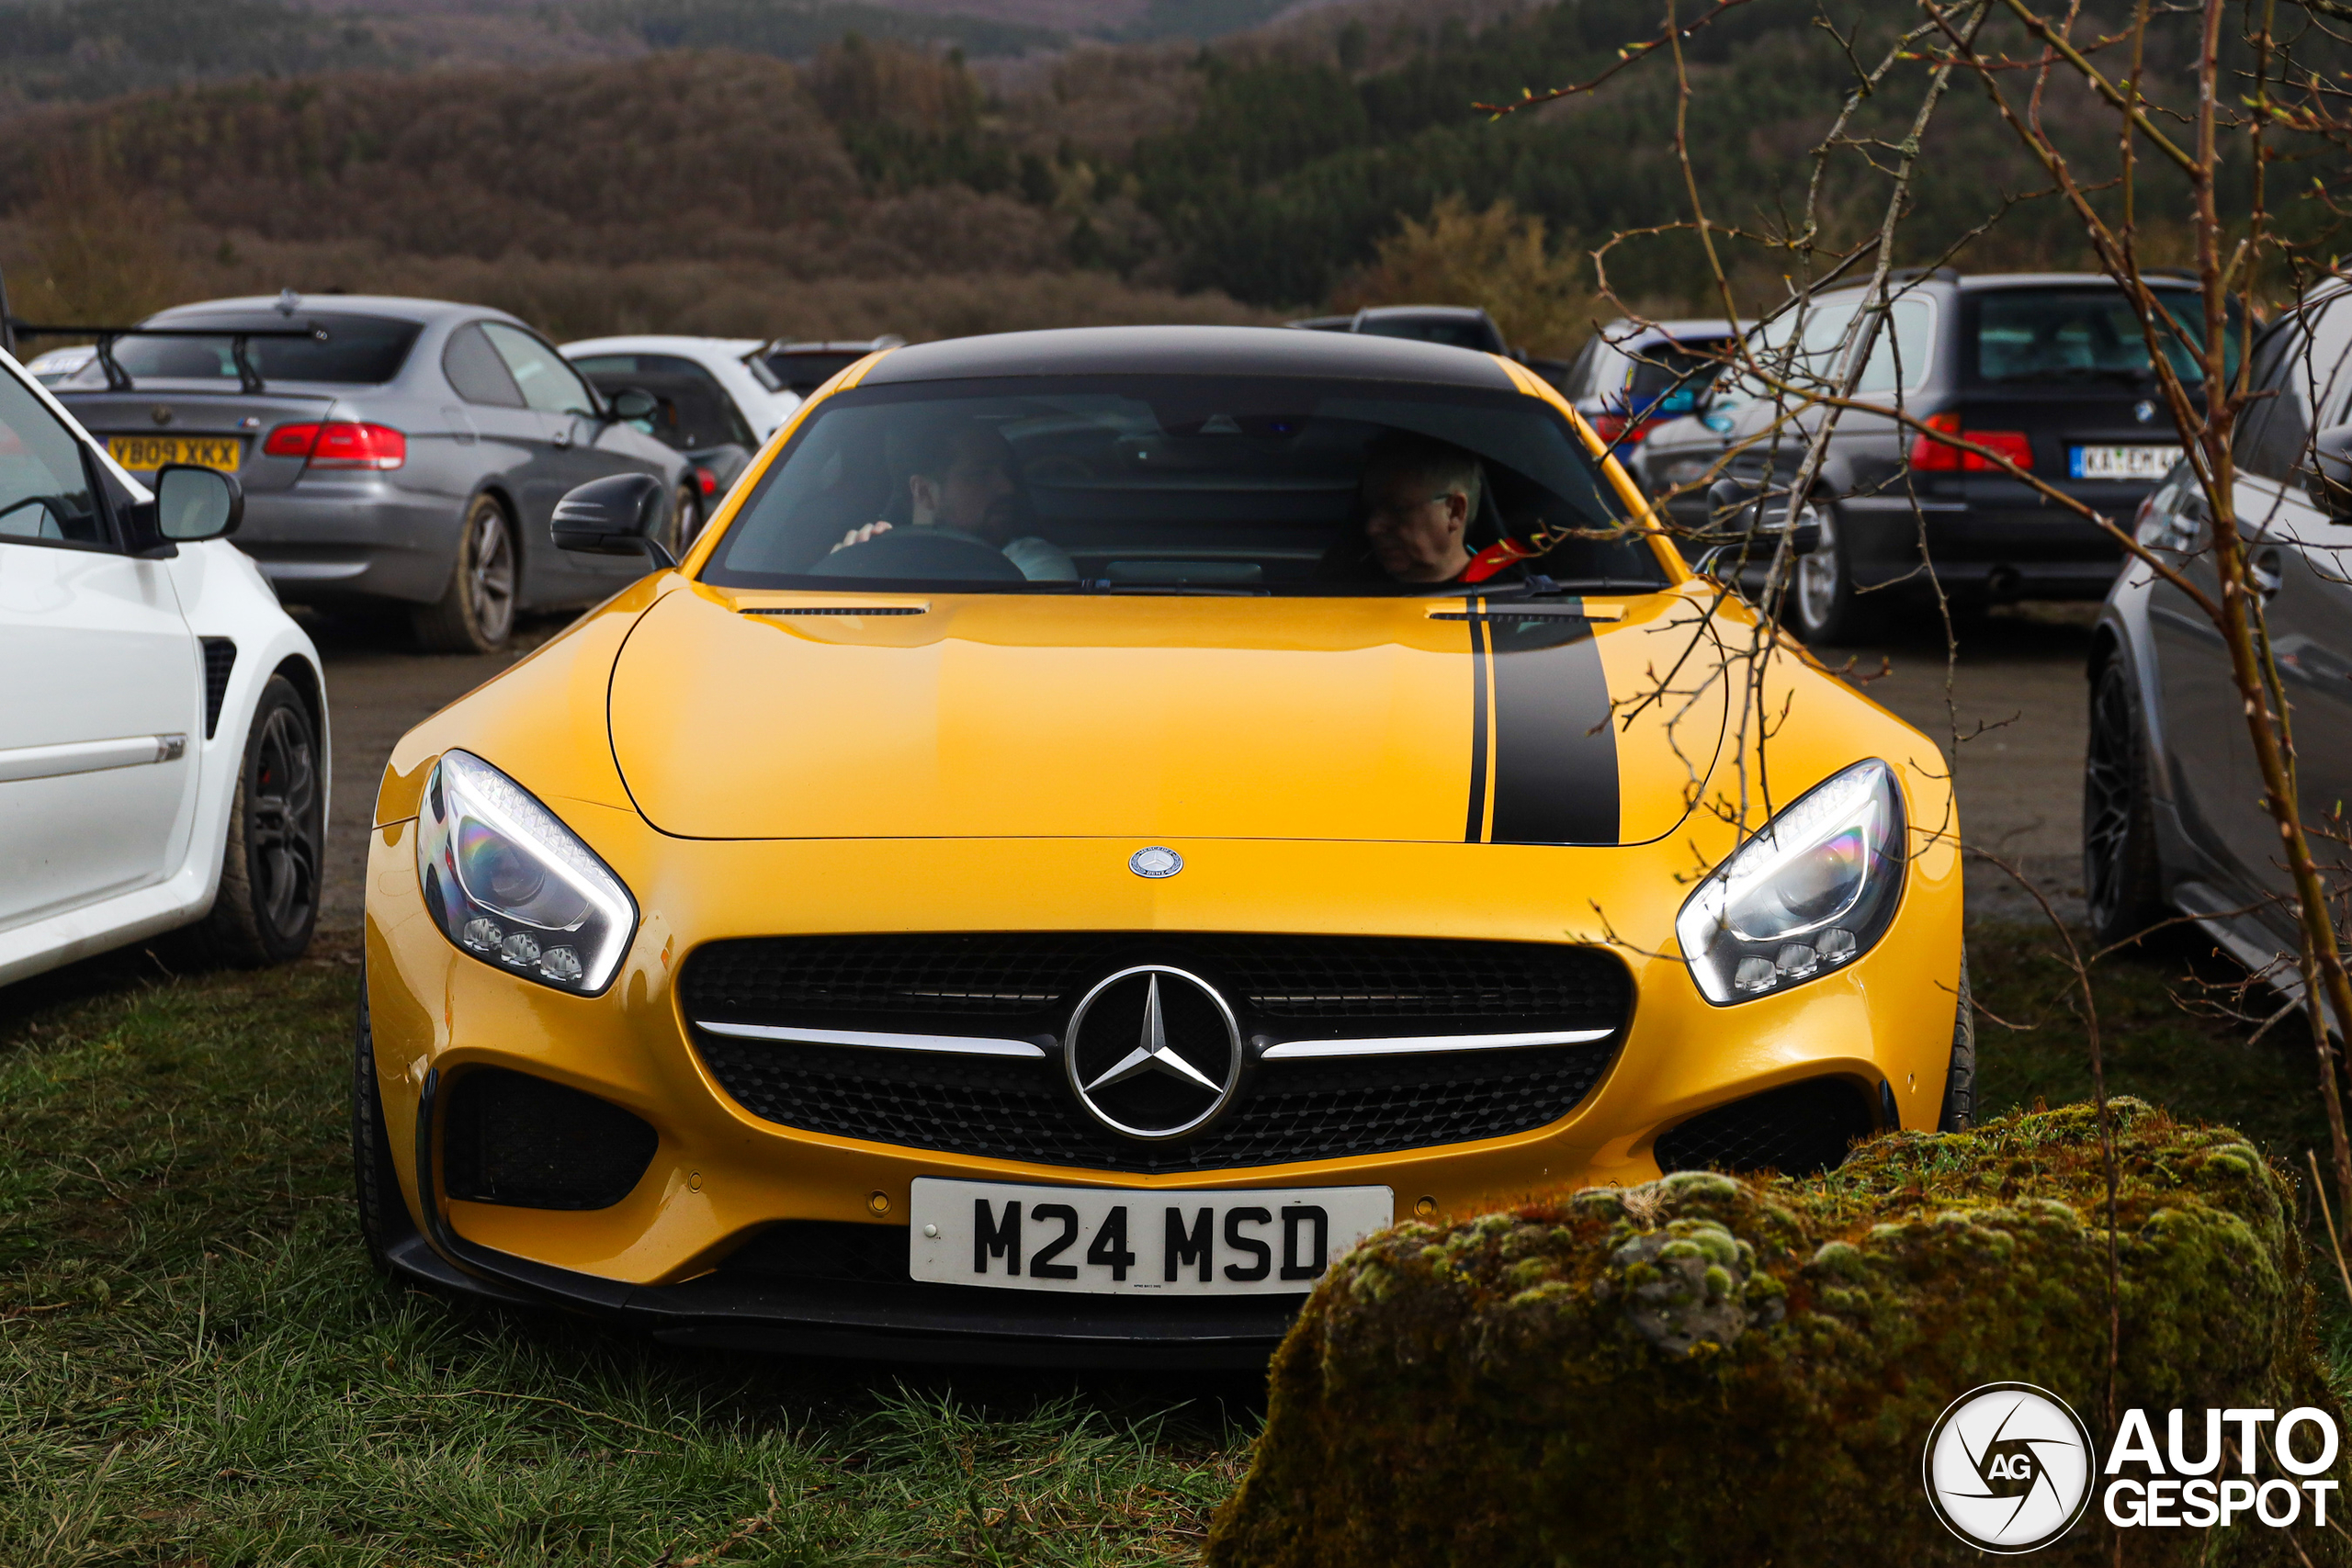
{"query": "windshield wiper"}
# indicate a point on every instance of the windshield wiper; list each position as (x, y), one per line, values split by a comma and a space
(1564, 588)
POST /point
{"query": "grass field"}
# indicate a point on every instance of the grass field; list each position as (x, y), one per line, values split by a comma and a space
(197, 1368)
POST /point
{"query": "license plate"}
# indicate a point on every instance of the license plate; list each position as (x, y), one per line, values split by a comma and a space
(221, 452)
(1262, 1241)
(2122, 462)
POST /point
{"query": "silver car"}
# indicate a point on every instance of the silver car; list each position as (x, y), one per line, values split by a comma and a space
(2172, 814)
(408, 450)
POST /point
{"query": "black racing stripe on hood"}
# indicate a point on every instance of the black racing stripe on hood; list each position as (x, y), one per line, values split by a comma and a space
(1477, 830)
(1555, 750)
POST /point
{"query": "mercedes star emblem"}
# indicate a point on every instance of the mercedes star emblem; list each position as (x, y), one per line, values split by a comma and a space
(1155, 862)
(1153, 1052)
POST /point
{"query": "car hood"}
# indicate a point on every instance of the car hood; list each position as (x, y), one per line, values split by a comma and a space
(771, 716)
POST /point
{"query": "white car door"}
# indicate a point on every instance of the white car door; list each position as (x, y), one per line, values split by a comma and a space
(101, 691)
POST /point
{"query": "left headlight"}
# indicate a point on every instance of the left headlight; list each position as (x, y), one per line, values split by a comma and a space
(512, 885)
(1812, 891)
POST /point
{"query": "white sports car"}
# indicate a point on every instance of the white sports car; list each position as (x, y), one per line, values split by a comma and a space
(162, 723)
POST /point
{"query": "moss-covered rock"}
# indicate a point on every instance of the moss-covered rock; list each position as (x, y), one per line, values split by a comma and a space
(1705, 1371)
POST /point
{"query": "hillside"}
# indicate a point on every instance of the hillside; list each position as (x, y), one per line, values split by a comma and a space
(880, 186)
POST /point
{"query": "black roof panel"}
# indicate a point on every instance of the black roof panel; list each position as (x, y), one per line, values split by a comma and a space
(1190, 351)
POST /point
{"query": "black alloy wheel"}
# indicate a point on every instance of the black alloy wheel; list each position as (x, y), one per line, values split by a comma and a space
(476, 610)
(268, 900)
(2122, 883)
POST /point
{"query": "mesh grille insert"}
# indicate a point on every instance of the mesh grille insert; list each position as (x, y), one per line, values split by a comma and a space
(1024, 985)
(220, 658)
(1797, 1129)
(521, 1141)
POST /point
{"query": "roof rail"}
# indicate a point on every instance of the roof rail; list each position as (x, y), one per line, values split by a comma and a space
(1912, 274)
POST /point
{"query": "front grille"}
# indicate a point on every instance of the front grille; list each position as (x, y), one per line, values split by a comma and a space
(1023, 985)
(1797, 1130)
(524, 1141)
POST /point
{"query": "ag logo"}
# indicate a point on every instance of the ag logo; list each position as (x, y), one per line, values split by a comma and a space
(2008, 1467)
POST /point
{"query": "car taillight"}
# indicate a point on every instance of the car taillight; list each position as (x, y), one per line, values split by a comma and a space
(339, 443)
(708, 481)
(1940, 456)
(1613, 428)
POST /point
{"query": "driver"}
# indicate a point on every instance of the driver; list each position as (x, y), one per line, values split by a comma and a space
(962, 482)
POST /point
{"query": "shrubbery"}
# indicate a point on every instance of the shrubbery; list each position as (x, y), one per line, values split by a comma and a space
(1705, 1371)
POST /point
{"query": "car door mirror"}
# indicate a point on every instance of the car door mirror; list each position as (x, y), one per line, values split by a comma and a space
(634, 403)
(621, 515)
(2331, 484)
(194, 503)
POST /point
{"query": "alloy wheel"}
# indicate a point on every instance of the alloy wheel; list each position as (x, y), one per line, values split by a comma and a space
(1818, 574)
(489, 583)
(2107, 796)
(283, 836)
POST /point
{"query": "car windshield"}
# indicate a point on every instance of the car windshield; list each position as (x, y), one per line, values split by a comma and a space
(2082, 334)
(1166, 483)
(359, 351)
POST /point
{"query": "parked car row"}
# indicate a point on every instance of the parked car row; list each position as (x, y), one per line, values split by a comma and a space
(2050, 370)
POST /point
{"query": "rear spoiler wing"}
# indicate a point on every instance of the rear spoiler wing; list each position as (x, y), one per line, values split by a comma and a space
(249, 379)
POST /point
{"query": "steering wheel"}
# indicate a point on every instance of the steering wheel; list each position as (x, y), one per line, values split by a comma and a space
(921, 552)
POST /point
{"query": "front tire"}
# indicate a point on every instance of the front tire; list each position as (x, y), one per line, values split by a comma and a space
(376, 1182)
(2123, 881)
(1822, 601)
(267, 904)
(476, 610)
(1958, 1114)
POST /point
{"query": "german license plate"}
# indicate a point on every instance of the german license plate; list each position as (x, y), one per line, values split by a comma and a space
(221, 452)
(2122, 462)
(1261, 1241)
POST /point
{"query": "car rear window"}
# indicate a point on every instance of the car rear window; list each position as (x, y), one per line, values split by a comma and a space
(358, 351)
(695, 412)
(1156, 483)
(2079, 334)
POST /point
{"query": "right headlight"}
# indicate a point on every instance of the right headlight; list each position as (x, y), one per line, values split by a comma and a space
(510, 884)
(1811, 892)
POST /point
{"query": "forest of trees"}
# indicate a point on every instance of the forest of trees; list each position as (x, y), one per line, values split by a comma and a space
(1258, 175)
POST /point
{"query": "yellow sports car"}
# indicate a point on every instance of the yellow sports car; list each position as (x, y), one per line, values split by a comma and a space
(1099, 822)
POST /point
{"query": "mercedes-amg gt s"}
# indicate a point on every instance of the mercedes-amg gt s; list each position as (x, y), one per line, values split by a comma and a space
(1101, 821)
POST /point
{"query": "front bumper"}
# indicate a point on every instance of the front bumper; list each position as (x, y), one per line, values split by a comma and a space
(720, 1175)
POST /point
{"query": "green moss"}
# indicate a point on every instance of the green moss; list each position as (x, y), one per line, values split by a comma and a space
(1708, 1370)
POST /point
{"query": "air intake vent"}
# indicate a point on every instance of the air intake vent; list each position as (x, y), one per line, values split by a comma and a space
(529, 1143)
(1797, 1130)
(220, 658)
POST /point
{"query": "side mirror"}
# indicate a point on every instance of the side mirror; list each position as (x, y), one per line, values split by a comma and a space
(621, 516)
(634, 403)
(2331, 484)
(1733, 507)
(194, 503)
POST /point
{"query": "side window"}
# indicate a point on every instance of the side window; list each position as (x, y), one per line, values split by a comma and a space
(1825, 332)
(1900, 352)
(44, 488)
(476, 371)
(2273, 426)
(547, 379)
